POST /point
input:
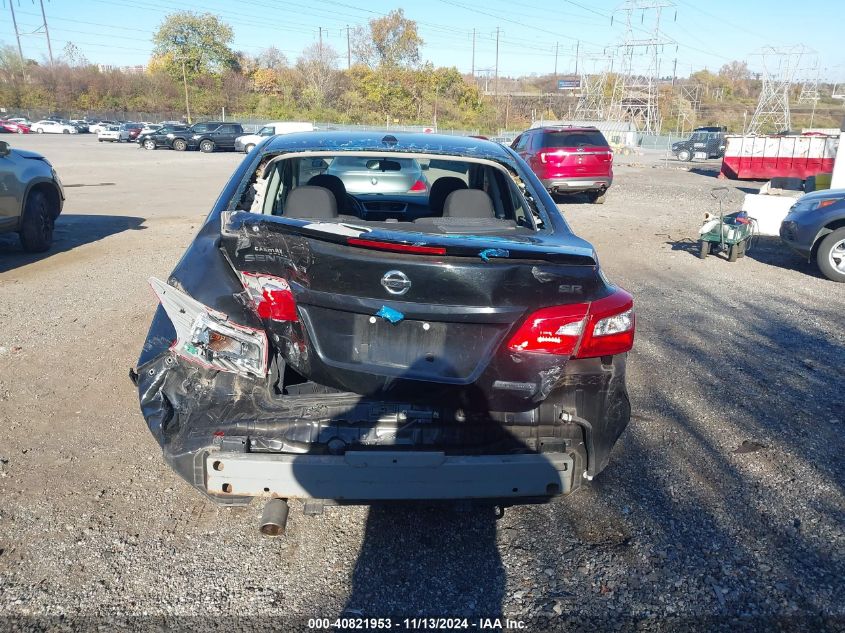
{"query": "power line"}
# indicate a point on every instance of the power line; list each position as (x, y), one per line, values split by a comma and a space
(474, 9)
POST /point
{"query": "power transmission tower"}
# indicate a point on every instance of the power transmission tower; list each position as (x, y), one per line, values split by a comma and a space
(593, 100)
(810, 85)
(692, 93)
(809, 77)
(635, 95)
(780, 66)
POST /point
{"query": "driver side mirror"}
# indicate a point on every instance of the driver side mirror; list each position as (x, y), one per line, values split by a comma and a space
(5, 150)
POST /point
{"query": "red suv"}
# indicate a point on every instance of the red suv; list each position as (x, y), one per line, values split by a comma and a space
(568, 159)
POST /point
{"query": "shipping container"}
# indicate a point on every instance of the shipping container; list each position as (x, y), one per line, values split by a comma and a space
(767, 157)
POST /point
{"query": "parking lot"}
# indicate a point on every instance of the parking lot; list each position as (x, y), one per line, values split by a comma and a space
(722, 505)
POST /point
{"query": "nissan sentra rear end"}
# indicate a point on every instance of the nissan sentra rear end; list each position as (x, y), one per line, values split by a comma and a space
(458, 343)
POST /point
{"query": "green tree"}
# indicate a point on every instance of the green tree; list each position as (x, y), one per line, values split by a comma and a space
(390, 41)
(199, 40)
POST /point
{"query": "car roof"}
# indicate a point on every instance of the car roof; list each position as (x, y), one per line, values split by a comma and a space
(567, 128)
(324, 140)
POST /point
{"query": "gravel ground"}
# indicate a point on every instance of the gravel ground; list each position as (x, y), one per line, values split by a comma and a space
(682, 531)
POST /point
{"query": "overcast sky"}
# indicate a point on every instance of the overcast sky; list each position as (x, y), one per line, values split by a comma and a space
(707, 34)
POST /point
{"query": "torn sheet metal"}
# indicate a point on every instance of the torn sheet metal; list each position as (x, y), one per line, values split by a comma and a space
(389, 314)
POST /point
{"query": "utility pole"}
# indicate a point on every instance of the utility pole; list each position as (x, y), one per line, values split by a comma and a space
(577, 53)
(348, 50)
(496, 79)
(674, 71)
(321, 37)
(17, 34)
(436, 94)
(46, 30)
(473, 53)
(554, 84)
(185, 81)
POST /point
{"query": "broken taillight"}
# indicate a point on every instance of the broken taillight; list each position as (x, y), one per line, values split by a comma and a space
(207, 337)
(271, 297)
(581, 330)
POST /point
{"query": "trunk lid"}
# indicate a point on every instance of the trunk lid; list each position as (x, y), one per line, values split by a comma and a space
(370, 318)
(575, 153)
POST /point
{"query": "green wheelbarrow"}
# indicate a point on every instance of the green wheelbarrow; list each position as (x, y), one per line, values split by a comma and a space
(729, 233)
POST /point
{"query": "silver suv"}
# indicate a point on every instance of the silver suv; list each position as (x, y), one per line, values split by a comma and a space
(31, 197)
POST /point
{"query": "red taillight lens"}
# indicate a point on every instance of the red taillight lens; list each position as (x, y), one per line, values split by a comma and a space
(581, 330)
(271, 297)
(611, 326)
(555, 330)
(418, 186)
(278, 305)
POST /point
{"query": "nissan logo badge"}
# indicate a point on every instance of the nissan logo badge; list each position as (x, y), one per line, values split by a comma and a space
(396, 282)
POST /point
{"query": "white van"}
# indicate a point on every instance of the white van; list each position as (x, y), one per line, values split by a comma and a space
(248, 141)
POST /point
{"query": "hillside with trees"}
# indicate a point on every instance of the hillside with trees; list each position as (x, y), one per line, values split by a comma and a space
(382, 81)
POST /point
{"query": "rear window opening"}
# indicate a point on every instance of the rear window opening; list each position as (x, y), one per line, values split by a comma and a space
(420, 193)
(565, 138)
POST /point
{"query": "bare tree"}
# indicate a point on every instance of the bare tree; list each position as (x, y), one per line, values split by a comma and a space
(318, 67)
(271, 58)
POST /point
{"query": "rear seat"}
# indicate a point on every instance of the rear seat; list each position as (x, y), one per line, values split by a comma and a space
(468, 207)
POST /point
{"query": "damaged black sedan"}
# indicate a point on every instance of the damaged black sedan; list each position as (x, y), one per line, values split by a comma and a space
(439, 334)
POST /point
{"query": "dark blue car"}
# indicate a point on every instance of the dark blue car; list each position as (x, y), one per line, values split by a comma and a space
(315, 341)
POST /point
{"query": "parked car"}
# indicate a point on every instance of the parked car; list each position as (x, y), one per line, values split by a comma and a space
(247, 142)
(214, 135)
(362, 175)
(163, 136)
(133, 129)
(32, 197)
(815, 229)
(149, 128)
(22, 120)
(81, 126)
(48, 126)
(113, 133)
(97, 126)
(467, 347)
(704, 142)
(13, 127)
(568, 159)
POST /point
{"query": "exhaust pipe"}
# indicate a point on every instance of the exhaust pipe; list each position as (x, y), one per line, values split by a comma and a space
(275, 517)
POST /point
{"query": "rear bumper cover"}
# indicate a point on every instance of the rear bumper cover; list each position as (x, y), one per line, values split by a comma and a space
(388, 475)
(576, 183)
